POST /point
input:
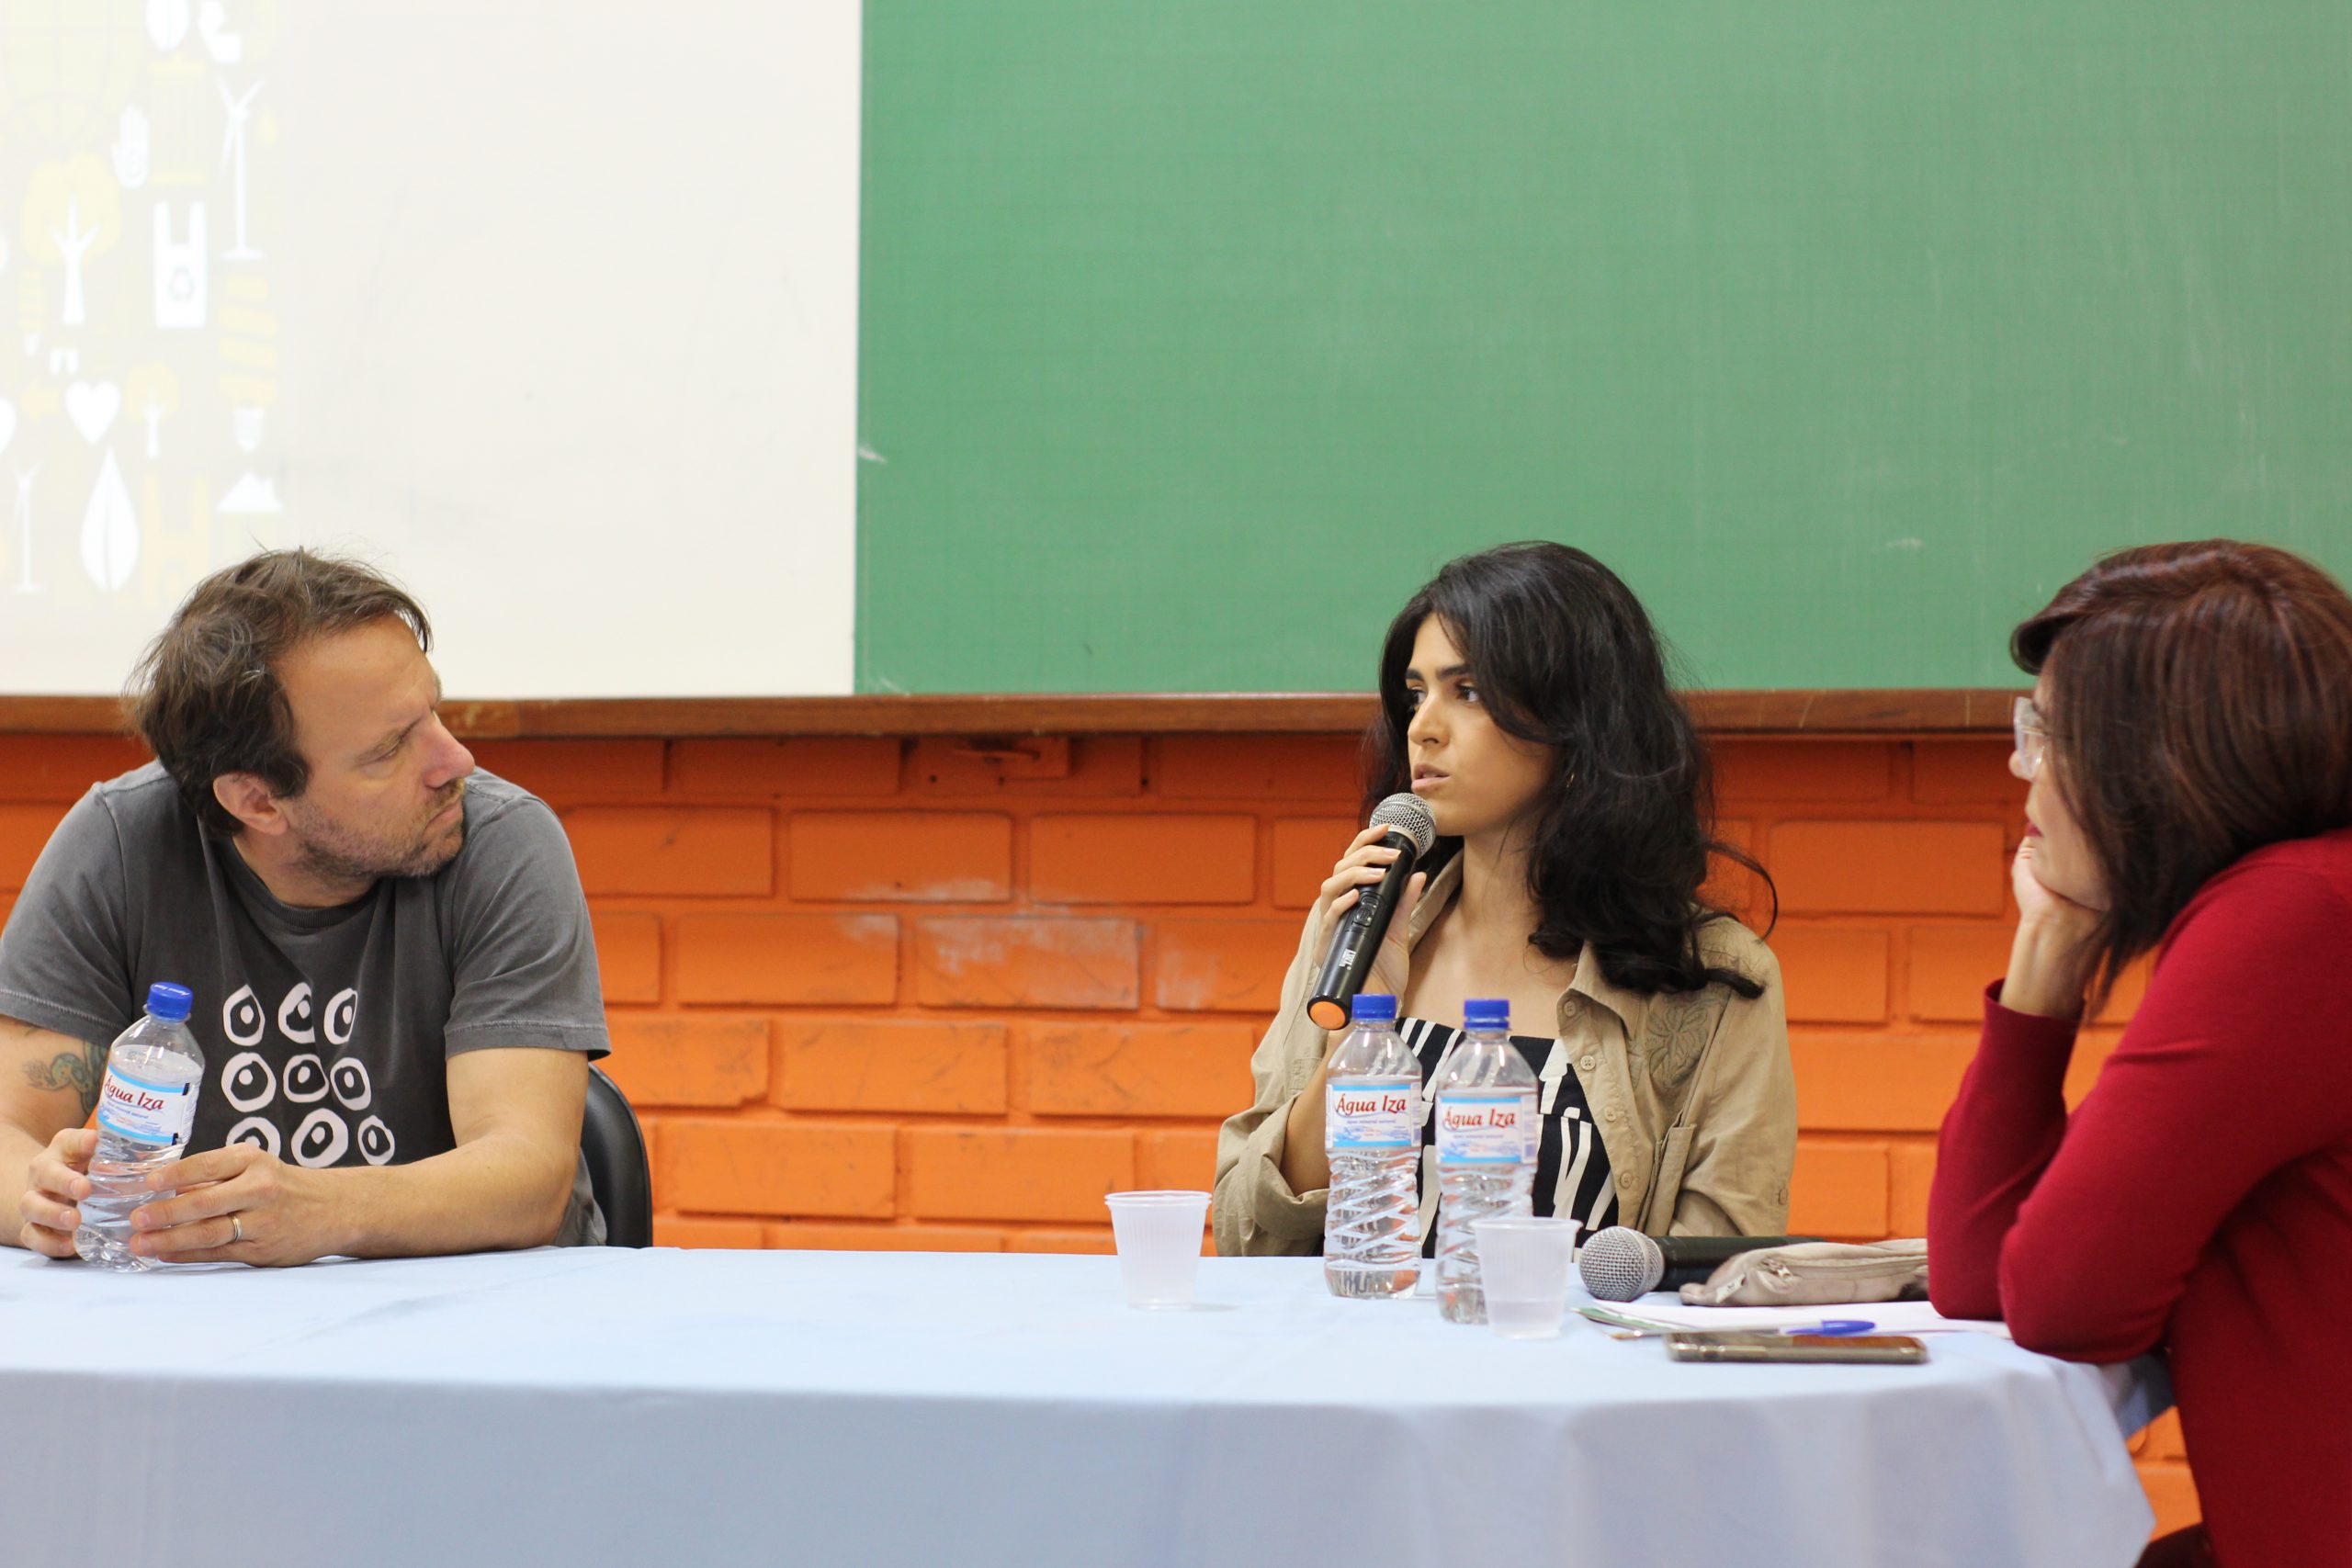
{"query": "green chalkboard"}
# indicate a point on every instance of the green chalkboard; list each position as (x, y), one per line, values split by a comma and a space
(1195, 332)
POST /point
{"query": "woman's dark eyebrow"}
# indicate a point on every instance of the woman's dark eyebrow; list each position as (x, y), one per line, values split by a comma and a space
(1452, 671)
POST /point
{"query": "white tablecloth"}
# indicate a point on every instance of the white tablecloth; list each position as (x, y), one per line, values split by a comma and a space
(664, 1407)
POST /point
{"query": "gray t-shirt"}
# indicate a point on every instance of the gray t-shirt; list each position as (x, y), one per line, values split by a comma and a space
(325, 1032)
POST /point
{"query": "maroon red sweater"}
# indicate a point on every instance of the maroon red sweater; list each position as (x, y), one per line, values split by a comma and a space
(2199, 1198)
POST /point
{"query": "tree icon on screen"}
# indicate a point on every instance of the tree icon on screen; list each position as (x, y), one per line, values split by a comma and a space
(72, 215)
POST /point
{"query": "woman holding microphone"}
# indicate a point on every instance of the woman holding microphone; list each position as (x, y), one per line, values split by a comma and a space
(2187, 753)
(1524, 699)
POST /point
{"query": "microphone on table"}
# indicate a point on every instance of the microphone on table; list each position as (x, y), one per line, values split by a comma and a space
(1356, 941)
(1621, 1264)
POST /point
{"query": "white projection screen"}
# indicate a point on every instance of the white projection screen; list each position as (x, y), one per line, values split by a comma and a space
(549, 310)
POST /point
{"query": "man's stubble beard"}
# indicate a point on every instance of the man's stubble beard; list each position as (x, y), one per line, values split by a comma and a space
(332, 852)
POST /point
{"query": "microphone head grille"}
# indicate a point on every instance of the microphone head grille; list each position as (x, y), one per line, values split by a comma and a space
(1409, 815)
(1621, 1264)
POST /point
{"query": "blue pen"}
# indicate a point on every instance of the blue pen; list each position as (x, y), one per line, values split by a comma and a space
(1834, 1327)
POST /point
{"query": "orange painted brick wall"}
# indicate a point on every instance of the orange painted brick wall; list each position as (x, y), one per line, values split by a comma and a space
(920, 994)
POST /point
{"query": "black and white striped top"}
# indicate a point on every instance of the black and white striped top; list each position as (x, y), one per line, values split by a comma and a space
(1572, 1174)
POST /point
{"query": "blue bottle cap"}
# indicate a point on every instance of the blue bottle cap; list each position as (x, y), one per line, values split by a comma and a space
(1485, 1012)
(169, 1003)
(1368, 1008)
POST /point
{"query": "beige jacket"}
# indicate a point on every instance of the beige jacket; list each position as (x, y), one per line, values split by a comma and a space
(1693, 1092)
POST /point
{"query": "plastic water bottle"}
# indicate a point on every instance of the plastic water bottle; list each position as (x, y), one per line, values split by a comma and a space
(1371, 1131)
(146, 1110)
(1486, 1150)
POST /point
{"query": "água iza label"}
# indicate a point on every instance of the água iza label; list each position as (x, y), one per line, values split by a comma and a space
(151, 1113)
(1486, 1127)
(1371, 1114)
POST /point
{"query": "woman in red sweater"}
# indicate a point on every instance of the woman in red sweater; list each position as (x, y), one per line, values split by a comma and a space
(2188, 747)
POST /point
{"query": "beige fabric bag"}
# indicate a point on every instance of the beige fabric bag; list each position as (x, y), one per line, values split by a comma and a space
(1817, 1273)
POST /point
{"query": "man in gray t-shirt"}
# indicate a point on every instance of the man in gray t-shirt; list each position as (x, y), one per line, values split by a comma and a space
(395, 987)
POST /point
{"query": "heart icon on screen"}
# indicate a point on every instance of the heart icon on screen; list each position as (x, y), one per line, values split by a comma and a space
(92, 407)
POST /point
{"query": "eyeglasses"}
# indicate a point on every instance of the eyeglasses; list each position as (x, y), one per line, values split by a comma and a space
(2033, 740)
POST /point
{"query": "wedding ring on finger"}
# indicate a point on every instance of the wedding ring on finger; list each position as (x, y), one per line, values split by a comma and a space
(236, 1229)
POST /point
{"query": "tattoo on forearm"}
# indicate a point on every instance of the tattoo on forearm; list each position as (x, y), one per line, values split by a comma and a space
(79, 1071)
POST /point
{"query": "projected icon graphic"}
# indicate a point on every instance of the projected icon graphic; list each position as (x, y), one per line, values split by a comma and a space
(232, 158)
(251, 493)
(179, 270)
(109, 530)
(212, 26)
(168, 23)
(90, 407)
(136, 172)
(130, 153)
(73, 244)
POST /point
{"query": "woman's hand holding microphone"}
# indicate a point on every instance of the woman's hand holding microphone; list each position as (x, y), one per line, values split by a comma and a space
(1366, 862)
(1367, 859)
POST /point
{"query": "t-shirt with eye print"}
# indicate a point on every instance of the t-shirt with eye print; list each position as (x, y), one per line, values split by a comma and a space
(325, 1032)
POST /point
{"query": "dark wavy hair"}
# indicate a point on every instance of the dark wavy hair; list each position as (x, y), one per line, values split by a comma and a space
(2201, 707)
(206, 695)
(1565, 656)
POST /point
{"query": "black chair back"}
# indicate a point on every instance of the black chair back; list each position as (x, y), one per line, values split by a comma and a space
(614, 1145)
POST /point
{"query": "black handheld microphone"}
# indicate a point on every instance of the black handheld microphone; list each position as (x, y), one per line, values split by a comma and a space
(1356, 942)
(1621, 1264)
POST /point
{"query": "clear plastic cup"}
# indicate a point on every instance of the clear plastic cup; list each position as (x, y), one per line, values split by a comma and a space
(1158, 1237)
(1524, 1263)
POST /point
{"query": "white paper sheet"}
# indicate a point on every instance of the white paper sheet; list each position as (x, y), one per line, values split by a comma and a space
(1890, 1317)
